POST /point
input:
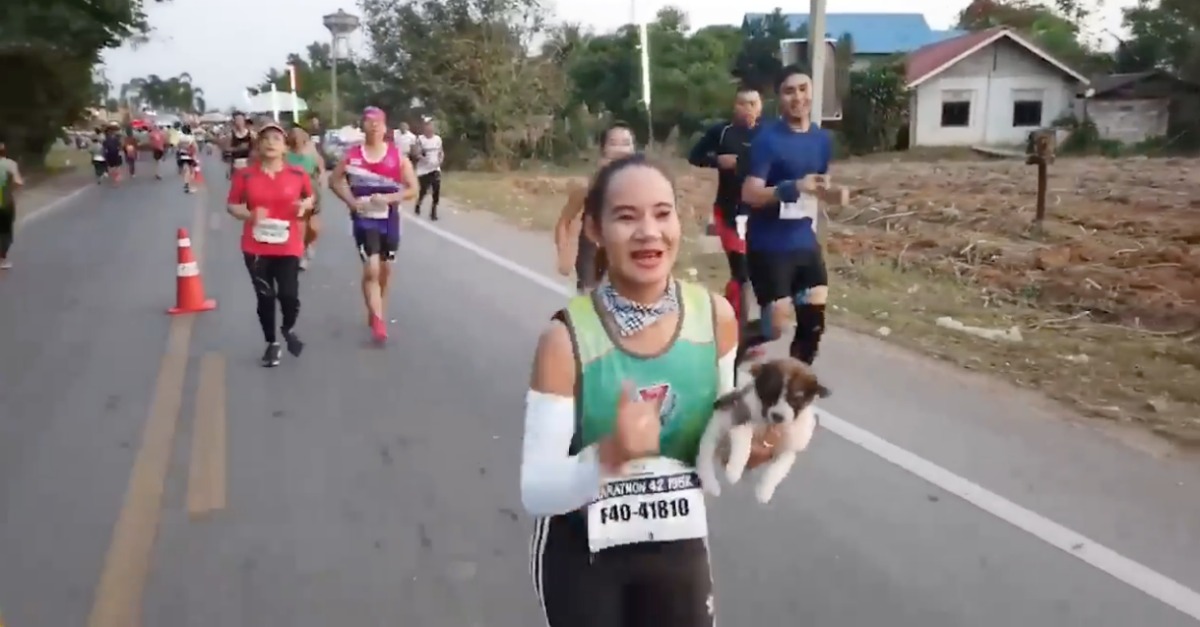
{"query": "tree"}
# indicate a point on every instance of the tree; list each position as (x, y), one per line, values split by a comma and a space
(314, 80)
(49, 50)
(757, 63)
(1163, 34)
(1055, 29)
(468, 61)
(176, 93)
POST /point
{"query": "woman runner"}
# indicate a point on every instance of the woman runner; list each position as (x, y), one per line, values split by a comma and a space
(575, 250)
(272, 197)
(623, 383)
(373, 179)
(303, 154)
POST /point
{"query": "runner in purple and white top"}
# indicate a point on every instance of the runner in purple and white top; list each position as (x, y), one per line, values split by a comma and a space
(373, 179)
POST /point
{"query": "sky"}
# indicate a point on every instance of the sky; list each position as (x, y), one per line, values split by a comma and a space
(210, 39)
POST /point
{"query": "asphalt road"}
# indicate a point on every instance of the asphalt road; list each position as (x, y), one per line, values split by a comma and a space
(151, 473)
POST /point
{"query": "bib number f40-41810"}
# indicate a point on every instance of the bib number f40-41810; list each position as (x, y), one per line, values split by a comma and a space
(655, 500)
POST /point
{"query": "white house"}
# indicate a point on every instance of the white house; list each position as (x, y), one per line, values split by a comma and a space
(986, 88)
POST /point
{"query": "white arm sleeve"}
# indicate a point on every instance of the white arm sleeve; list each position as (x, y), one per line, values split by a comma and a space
(725, 372)
(552, 481)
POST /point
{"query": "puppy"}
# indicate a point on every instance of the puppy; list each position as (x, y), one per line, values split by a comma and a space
(782, 393)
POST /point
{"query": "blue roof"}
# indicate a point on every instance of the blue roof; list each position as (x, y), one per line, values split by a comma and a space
(874, 33)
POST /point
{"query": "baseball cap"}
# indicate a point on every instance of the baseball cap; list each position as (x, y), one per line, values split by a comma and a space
(269, 124)
(374, 112)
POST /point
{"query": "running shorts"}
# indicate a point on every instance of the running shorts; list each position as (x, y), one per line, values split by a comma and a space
(659, 584)
(159, 154)
(373, 242)
(113, 161)
(779, 275)
(727, 232)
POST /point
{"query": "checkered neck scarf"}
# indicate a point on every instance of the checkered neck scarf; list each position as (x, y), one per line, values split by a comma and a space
(631, 317)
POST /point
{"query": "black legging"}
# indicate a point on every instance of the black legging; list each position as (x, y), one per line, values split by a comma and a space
(275, 278)
(430, 182)
(8, 220)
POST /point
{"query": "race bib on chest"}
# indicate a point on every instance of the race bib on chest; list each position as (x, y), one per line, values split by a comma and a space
(271, 231)
(240, 163)
(805, 207)
(657, 500)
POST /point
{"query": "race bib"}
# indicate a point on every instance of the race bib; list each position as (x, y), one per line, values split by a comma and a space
(805, 207)
(271, 231)
(657, 500)
(240, 163)
(376, 211)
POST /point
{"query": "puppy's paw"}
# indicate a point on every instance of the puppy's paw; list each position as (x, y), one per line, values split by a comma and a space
(733, 473)
(763, 493)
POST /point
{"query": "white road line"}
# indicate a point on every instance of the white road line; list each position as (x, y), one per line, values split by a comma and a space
(1132, 573)
(53, 205)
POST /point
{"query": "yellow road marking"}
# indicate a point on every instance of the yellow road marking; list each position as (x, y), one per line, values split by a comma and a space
(118, 601)
(118, 596)
(207, 471)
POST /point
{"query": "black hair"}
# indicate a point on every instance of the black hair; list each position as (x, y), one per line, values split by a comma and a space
(615, 126)
(788, 72)
(597, 193)
(238, 113)
(185, 129)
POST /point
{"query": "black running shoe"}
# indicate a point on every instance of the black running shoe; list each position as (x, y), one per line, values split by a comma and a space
(271, 356)
(294, 345)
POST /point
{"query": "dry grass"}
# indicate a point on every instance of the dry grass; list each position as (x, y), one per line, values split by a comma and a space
(1106, 297)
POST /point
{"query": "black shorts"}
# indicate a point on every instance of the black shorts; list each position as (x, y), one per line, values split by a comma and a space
(113, 161)
(184, 162)
(372, 242)
(158, 155)
(660, 584)
(779, 275)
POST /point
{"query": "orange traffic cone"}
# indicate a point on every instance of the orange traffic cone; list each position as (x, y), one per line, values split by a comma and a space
(197, 178)
(189, 288)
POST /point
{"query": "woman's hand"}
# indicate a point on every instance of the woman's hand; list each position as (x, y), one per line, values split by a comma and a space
(636, 431)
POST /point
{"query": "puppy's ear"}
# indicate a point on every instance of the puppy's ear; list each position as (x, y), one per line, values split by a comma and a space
(727, 401)
(823, 392)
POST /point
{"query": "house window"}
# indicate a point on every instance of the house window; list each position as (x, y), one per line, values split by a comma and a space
(1027, 108)
(956, 108)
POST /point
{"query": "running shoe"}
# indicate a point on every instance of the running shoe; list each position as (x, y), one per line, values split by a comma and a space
(378, 329)
(272, 355)
(294, 345)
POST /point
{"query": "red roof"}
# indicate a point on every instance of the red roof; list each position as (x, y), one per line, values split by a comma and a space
(928, 59)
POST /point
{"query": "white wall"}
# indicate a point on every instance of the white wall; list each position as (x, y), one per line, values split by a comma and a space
(990, 78)
(1129, 121)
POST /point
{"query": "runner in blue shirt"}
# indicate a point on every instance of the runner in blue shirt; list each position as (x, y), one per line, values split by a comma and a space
(788, 173)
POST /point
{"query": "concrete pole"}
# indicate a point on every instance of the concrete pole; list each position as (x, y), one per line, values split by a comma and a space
(816, 56)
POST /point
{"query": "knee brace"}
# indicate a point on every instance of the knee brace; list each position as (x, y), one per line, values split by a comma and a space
(810, 325)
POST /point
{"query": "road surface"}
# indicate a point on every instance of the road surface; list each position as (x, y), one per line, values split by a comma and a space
(151, 473)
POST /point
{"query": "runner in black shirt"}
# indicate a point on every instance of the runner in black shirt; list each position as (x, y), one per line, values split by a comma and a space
(725, 146)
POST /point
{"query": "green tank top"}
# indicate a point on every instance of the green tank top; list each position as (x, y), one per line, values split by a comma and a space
(305, 161)
(684, 375)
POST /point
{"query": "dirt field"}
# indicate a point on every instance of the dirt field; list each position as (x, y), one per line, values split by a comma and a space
(1100, 309)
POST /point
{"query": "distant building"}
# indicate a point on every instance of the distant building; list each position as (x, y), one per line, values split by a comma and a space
(875, 35)
(990, 87)
(1134, 107)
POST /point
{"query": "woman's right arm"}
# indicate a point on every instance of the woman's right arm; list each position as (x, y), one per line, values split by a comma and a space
(553, 481)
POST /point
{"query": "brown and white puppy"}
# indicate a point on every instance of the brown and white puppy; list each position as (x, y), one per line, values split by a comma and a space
(782, 393)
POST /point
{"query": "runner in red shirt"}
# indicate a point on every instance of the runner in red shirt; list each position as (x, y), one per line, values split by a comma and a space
(272, 198)
(158, 145)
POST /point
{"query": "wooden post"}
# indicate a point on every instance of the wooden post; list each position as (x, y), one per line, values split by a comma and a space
(1040, 150)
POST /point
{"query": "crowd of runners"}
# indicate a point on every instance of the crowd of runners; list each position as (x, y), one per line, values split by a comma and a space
(625, 376)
